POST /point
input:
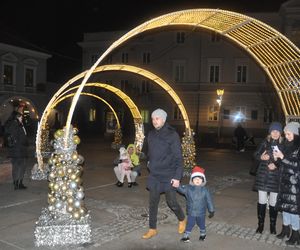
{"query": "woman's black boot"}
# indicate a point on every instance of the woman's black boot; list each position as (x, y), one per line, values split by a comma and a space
(273, 218)
(295, 238)
(284, 232)
(261, 213)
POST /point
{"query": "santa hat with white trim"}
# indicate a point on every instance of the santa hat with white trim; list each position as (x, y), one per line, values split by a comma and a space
(198, 172)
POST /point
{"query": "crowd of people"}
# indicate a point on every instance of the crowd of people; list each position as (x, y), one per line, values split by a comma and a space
(277, 180)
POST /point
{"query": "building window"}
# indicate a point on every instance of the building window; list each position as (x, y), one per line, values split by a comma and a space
(29, 77)
(268, 115)
(94, 59)
(179, 71)
(215, 37)
(124, 84)
(8, 74)
(214, 73)
(92, 115)
(180, 37)
(125, 57)
(146, 58)
(240, 114)
(145, 87)
(241, 74)
(254, 114)
(213, 113)
(145, 115)
(226, 114)
(177, 114)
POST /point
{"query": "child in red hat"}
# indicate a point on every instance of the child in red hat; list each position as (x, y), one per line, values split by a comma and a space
(198, 199)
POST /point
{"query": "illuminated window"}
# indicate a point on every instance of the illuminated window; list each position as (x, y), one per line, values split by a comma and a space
(92, 115)
(146, 58)
(213, 113)
(180, 37)
(125, 57)
(145, 115)
(8, 74)
(241, 74)
(214, 73)
(177, 114)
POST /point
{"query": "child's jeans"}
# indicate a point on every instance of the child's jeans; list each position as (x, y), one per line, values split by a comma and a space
(192, 220)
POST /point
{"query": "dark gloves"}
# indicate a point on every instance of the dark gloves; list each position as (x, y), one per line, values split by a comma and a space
(211, 214)
(120, 161)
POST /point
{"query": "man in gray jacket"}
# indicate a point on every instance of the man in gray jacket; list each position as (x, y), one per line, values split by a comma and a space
(166, 168)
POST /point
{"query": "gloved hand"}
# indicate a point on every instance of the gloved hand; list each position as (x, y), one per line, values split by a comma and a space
(211, 214)
(120, 161)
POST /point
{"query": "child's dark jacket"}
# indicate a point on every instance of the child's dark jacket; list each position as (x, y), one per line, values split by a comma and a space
(198, 199)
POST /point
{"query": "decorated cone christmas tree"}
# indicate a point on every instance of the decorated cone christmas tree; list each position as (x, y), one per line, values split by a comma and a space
(65, 220)
(188, 152)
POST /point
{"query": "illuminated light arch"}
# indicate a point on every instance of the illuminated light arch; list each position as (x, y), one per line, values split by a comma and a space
(92, 95)
(137, 118)
(112, 67)
(274, 52)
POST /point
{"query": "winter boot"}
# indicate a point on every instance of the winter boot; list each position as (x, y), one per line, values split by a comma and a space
(130, 184)
(295, 238)
(181, 226)
(21, 186)
(150, 234)
(273, 218)
(261, 213)
(284, 232)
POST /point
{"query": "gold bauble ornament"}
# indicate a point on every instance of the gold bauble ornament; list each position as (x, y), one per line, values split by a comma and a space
(75, 131)
(76, 139)
(78, 180)
(73, 177)
(59, 133)
(76, 215)
(69, 192)
(70, 208)
(82, 210)
(52, 175)
(70, 200)
(56, 186)
(70, 170)
(74, 156)
(60, 172)
(51, 185)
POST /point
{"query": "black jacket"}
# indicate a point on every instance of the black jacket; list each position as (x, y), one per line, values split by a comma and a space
(19, 150)
(288, 199)
(267, 180)
(165, 155)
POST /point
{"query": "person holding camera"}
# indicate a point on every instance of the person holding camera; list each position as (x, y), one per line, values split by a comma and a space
(267, 176)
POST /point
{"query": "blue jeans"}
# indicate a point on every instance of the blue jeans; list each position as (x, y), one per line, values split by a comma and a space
(192, 220)
(291, 219)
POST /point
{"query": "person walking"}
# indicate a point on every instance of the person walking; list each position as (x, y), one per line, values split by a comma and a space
(240, 135)
(165, 170)
(288, 200)
(17, 150)
(267, 176)
(198, 200)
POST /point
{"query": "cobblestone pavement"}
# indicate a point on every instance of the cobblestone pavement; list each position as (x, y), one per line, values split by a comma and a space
(129, 219)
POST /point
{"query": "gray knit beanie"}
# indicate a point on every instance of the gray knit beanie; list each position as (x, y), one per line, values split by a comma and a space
(159, 113)
(292, 127)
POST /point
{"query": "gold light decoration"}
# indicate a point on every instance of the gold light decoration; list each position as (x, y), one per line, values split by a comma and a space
(188, 152)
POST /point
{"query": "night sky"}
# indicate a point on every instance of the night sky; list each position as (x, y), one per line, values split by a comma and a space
(56, 26)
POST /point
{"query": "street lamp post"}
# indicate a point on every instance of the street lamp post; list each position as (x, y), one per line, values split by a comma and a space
(220, 93)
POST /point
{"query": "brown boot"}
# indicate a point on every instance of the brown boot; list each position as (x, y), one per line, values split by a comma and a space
(150, 234)
(181, 226)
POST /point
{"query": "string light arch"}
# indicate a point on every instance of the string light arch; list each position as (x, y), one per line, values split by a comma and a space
(137, 118)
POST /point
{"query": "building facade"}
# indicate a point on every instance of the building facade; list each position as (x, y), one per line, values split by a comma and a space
(196, 63)
(23, 80)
